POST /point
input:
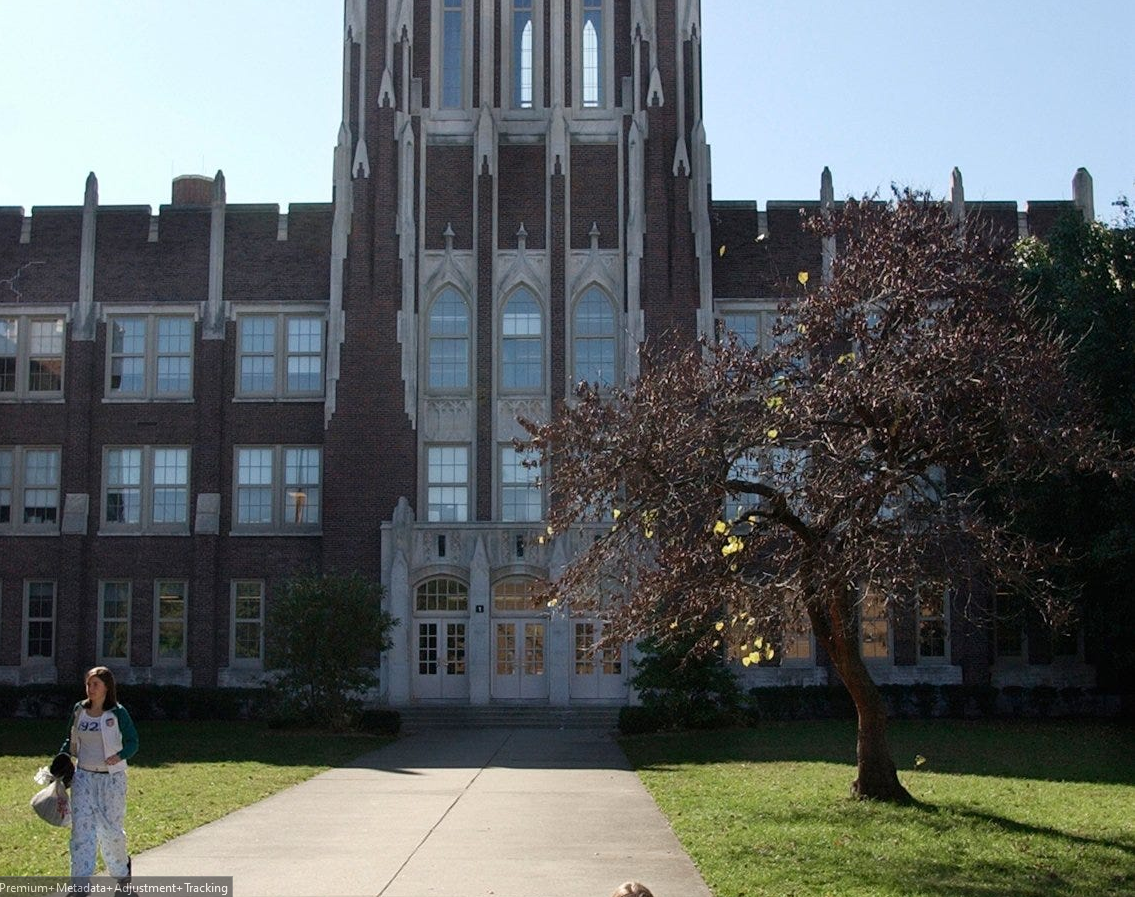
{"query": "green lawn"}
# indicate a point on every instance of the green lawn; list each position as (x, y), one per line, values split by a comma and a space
(186, 774)
(1005, 809)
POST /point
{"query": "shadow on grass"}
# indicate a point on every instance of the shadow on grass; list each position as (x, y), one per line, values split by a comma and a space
(1016, 827)
(1057, 751)
(968, 853)
(167, 743)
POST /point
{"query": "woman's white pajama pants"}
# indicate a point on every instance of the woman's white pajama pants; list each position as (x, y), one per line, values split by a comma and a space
(98, 812)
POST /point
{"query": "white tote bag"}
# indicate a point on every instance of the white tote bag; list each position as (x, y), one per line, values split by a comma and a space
(52, 804)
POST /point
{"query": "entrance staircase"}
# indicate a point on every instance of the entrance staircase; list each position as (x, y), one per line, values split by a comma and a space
(513, 716)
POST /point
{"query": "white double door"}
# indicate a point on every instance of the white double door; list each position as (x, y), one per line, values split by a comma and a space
(519, 659)
(440, 665)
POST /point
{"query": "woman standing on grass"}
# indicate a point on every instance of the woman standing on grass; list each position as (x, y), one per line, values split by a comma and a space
(101, 738)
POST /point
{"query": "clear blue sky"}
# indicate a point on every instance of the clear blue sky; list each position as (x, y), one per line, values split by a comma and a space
(1016, 93)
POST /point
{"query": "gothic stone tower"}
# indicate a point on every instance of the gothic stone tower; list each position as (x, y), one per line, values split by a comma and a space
(521, 200)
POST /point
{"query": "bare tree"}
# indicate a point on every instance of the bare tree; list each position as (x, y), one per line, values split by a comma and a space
(847, 454)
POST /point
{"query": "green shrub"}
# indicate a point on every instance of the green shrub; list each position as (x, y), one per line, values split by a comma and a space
(685, 689)
(327, 632)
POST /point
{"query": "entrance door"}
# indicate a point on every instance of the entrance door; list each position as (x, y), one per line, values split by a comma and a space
(597, 674)
(518, 660)
(439, 671)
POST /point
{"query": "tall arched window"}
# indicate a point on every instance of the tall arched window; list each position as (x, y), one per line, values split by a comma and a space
(522, 338)
(449, 342)
(522, 54)
(592, 45)
(593, 336)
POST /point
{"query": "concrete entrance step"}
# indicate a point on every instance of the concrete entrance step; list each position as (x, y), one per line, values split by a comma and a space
(493, 716)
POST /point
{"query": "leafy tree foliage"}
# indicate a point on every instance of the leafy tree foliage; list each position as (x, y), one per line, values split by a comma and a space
(1082, 275)
(848, 449)
(326, 634)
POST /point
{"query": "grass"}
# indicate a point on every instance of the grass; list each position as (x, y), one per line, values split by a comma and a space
(186, 774)
(1004, 809)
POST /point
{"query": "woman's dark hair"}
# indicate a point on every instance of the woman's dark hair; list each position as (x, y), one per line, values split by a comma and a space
(107, 677)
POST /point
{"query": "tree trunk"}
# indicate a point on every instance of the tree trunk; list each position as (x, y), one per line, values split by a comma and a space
(876, 776)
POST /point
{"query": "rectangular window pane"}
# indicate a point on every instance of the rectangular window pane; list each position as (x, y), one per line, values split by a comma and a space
(455, 649)
(448, 477)
(305, 355)
(6, 473)
(175, 341)
(427, 649)
(523, 363)
(452, 55)
(584, 649)
(874, 634)
(171, 621)
(9, 332)
(115, 613)
(301, 486)
(247, 620)
(41, 482)
(520, 489)
(254, 486)
(127, 355)
(41, 619)
(45, 355)
(171, 485)
(257, 354)
(124, 486)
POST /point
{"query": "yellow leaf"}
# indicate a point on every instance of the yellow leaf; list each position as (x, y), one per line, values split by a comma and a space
(802, 277)
(616, 513)
(746, 661)
(774, 402)
(768, 652)
(551, 531)
(720, 527)
(719, 626)
(773, 433)
(649, 533)
(717, 643)
(755, 657)
(721, 251)
(674, 625)
(760, 642)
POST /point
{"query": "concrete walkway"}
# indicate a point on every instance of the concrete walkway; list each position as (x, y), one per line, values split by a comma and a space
(449, 813)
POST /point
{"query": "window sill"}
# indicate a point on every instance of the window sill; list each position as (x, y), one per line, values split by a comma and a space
(147, 400)
(275, 533)
(277, 399)
(135, 533)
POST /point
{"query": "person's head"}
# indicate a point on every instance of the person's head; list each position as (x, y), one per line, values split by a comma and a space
(632, 889)
(100, 683)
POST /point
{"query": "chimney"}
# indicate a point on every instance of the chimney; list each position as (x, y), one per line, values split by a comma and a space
(192, 190)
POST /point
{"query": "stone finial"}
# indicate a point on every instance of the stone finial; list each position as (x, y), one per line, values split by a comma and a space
(957, 197)
(827, 191)
(594, 235)
(521, 238)
(91, 191)
(1083, 194)
(213, 325)
(84, 324)
(449, 235)
(827, 245)
(219, 188)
